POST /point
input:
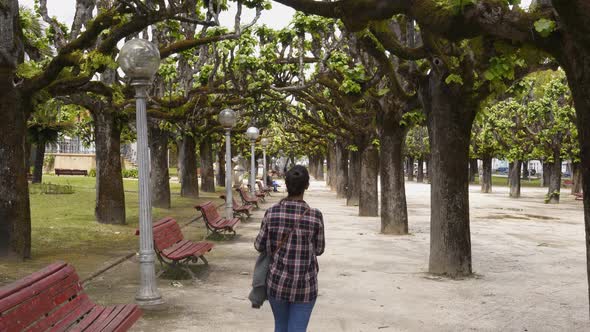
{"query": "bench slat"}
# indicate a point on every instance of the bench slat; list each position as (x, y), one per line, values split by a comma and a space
(115, 318)
(171, 243)
(166, 234)
(185, 249)
(190, 249)
(212, 218)
(129, 321)
(162, 221)
(103, 319)
(34, 302)
(120, 317)
(221, 223)
(30, 279)
(176, 248)
(65, 316)
(246, 196)
(88, 319)
(53, 299)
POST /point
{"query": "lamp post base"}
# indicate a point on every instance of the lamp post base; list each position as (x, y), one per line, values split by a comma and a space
(153, 304)
(148, 296)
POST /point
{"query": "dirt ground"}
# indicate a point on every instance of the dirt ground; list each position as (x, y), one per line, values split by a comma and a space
(528, 258)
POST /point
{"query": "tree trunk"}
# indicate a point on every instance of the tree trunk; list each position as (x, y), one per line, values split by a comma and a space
(354, 179)
(486, 175)
(320, 168)
(394, 211)
(575, 60)
(450, 115)
(221, 168)
(15, 215)
(39, 157)
(428, 169)
(178, 161)
(508, 178)
(110, 194)
(410, 168)
(568, 168)
(159, 175)
(312, 166)
(514, 177)
(576, 178)
(473, 170)
(187, 160)
(341, 157)
(28, 147)
(207, 171)
(331, 166)
(546, 174)
(555, 179)
(328, 176)
(420, 174)
(368, 198)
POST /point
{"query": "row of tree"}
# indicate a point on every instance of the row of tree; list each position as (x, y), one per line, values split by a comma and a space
(353, 85)
(467, 52)
(58, 79)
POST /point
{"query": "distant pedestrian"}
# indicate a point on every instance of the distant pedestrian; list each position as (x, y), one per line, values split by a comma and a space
(271, 182)
(293, 234)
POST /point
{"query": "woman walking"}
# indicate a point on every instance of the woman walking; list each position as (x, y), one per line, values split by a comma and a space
(292, 233)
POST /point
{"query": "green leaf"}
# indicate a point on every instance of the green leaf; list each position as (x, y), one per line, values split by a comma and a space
(489, 75)
(382, 92)
(454, 78)
(545, 27)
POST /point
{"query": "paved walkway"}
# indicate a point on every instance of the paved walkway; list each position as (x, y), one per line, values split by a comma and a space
(529, 260)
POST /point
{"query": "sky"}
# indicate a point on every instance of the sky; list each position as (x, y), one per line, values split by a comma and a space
(278, 17)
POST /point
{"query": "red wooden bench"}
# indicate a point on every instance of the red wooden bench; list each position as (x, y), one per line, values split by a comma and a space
(214, 222)
(263, 189)
(568, 182)
(53, 299)
(257, 193)
(246, 198)
(579, 196)
(173, 250)
(244, 209)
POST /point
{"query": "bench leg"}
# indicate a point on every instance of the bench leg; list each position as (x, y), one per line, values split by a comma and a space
(190, 272)
(205, 261)
(241, 215)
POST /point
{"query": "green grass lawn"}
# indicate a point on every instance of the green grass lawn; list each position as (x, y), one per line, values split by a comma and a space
(64, 228)
(503, 182)
(173, 171)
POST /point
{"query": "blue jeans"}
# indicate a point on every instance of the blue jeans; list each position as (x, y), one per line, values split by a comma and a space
(289, 316)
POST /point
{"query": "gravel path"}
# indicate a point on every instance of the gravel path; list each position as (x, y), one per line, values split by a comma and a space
(529, 260)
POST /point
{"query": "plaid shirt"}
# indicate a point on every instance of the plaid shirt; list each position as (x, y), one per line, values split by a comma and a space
(293, 273)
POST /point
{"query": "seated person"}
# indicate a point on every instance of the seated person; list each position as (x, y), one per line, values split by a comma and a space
(271, 182)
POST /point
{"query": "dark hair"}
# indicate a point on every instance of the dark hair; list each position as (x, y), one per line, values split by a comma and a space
(297, 180)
